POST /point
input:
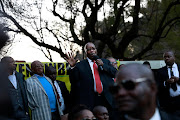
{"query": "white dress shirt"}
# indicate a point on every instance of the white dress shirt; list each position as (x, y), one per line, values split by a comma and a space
(13, 80)
(176, 73)
(156, 115)
(92, 69)
(60, 95)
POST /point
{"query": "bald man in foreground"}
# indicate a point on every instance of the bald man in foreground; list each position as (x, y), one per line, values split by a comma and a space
(135, 93)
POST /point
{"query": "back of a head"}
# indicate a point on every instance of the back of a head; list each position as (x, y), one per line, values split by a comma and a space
(3, 37)
(146, 63)
(5, 59)
(76, 111)
(136, 69)
(5, 102)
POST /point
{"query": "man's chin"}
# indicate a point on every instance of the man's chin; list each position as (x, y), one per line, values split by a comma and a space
(125, 107)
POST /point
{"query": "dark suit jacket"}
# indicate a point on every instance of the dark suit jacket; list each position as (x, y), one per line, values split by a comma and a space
(66, 95)
(82, 83)
(20, 79)
(167, 116)
(163, 92)
(164, 116)
(6, 108)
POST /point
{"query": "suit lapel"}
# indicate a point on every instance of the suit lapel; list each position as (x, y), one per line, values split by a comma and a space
(18, 80)
(166, 72)
(178, 69)
(89, 71)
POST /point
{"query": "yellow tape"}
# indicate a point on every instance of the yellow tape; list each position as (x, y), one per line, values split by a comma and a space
(61, 68)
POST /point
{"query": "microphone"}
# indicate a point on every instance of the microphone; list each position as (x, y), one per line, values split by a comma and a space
(95, 58)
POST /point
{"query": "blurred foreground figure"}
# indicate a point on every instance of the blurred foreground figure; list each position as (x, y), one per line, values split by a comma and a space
(17, 91)
(5, 102)
(135, 92)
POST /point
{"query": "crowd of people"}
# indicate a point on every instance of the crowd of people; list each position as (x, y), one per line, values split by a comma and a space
(99, 90)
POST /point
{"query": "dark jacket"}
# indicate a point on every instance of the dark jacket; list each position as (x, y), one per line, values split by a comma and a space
(82, 83)
(164, 99)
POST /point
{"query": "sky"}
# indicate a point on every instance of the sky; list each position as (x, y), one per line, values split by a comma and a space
(24, 49)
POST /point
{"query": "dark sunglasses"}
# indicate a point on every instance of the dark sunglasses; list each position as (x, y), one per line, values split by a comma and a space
(113, 62)
(126, 84)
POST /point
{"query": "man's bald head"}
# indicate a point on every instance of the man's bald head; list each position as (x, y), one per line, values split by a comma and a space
(135, 91)
(136, 70)
(37, 67)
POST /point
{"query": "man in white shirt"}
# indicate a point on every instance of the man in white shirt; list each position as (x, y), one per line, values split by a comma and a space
(17, 91)
(90, 79)
(169, 84)
(135, 93)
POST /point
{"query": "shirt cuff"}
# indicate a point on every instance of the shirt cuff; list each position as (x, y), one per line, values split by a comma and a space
(164, 83)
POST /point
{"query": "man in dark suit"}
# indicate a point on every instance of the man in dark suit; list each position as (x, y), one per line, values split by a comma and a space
(17, 91)
(169, 84)
(135, 93)
(61, 88)
(86, 88)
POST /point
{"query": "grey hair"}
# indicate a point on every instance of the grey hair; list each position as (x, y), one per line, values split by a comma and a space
(85, 46)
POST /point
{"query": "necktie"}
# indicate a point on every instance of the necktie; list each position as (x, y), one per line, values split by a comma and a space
(97, 78)
(58, 97)
(173, 85)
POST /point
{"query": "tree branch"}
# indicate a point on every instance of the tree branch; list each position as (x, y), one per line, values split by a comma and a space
(58, 50)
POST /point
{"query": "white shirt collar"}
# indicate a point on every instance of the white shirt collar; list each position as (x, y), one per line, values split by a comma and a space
(89, 60)
(13, 80)
(173, 66)
(156, 115)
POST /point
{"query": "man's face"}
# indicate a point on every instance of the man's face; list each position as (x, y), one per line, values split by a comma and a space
(10, 64)
(102, 114)
(91, 50)
(37, 67)
(113, 63)
(86, 114)
(169, 58)
(52, 74)
(129, 101)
